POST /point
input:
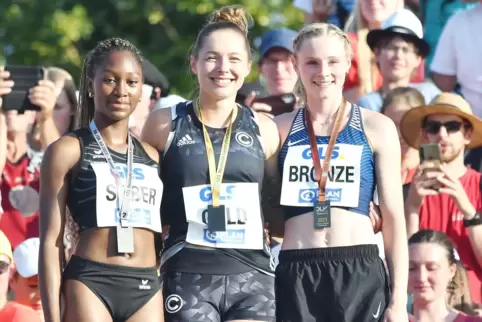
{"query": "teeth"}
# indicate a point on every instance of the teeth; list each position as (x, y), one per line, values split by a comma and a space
(324, 83)
(221, 81)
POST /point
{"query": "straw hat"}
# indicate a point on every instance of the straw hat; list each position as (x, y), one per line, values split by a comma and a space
(445, 103)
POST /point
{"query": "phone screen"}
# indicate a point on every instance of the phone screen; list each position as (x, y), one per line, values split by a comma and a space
(430, 158)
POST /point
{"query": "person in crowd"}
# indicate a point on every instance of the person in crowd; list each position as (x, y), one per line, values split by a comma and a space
(446, 196)
(432, 270)
(19, 181)
(364, 76)
(435, 14)
(56, 96)
(336, 12)
(456, 59)
(155, 86)
(215, 156)
(396, 103)
(11, 311)
(329, 252)
(277, 70)
(399, 49)
(19, 184)
(112, 275)
(24, 282)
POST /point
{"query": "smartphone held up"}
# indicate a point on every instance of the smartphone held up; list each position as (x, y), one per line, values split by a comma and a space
(430, 159)
(24, 78)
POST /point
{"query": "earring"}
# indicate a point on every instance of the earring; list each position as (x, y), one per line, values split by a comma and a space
(90, 94)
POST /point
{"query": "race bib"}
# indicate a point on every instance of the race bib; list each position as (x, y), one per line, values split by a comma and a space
(343, 187)
(244, 227)
(146, 196)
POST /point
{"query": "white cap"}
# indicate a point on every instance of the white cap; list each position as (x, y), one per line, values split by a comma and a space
(25, 256)
(406, 19)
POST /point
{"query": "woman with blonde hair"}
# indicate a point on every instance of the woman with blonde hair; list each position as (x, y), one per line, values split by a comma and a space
(333, 154)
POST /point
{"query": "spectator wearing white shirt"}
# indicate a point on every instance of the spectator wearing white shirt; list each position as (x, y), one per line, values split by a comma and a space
(457, 57)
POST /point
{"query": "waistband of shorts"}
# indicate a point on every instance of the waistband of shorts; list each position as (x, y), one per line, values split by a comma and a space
(75, 260)
(329, 253)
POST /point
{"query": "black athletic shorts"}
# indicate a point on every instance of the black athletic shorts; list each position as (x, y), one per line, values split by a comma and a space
(122, 289)
(214, 298)
(336, 284)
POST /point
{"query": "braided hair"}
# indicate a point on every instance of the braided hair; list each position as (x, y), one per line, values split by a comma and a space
(86, 107)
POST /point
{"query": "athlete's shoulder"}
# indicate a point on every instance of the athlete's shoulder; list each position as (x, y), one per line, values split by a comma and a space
(65, 151)
(376, 121)
(150, 151)
(284, 120)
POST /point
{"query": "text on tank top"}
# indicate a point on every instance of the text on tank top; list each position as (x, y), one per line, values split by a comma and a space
(351, 179)
(92, 187)
(188, 192)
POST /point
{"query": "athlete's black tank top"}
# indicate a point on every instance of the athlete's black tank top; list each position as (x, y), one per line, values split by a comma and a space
(81, 199)
(184, 164)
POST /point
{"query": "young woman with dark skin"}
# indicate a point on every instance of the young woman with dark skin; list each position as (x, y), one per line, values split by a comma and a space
(105, 280)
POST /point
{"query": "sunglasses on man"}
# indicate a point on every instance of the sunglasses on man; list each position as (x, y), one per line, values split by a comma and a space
(433, 127)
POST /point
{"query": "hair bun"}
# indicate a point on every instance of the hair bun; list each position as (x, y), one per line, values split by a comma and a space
(234, 14)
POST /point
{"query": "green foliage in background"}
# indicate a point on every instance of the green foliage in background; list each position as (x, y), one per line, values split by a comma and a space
(61, 32)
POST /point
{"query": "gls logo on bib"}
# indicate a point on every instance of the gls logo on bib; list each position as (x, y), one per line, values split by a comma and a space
(146, 196)
(243, 216)
(343, 187)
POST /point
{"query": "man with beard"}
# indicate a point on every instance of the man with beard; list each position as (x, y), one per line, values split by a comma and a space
(447, 198)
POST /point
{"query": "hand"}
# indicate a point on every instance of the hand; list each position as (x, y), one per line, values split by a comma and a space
(396, 313)
(256, 106)
(322, 9)
(375, 218)
(165, 232)
(453, 187)
(421, 186)
(266, 233)
(44, 95)
(5, 85)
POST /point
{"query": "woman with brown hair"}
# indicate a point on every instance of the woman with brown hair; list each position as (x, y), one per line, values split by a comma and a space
(432, 279)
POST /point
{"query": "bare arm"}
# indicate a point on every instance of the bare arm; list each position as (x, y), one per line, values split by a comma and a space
(384, 138)
(446, 83)
(48, 132)
(271, 190)
(156, 129)
(59, 158)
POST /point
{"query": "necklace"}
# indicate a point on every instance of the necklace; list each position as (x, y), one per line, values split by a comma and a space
(326, 122)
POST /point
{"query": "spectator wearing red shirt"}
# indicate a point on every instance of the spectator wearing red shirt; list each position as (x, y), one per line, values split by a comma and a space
(448, 199)
(19, 179)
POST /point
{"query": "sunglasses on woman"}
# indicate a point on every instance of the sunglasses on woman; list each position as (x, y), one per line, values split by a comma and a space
(433, 127)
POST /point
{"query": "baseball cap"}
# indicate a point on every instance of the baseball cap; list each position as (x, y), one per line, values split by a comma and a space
(25, 256)
(154, 77)
(277, 38)
(5, 246)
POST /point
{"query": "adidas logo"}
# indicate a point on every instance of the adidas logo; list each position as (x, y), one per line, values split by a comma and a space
(186, 139)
